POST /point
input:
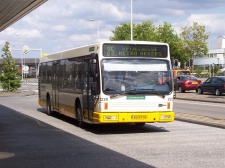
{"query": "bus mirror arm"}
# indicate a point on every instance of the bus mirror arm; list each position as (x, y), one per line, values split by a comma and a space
(94, 55)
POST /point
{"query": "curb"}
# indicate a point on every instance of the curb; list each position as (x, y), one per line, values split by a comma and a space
(18, 94)
(202, 120)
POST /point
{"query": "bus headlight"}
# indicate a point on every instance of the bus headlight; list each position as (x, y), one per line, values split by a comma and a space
(106, 117)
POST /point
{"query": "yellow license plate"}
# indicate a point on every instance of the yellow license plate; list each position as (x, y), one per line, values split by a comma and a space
(194, 82)
(139, 117)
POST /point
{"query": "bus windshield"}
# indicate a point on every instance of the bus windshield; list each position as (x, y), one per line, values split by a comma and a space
(136, 76)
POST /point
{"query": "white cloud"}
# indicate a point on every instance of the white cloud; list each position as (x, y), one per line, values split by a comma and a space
(59, 25)
(112, 12)
(212, 22)
(80, 38)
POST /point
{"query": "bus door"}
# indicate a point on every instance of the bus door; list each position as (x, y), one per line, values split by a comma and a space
(91, 86)
(55, 85)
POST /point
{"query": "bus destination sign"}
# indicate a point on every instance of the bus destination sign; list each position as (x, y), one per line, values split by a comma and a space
(135, 50)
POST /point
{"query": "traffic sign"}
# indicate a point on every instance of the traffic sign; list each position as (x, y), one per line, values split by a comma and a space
(26, 69)
(25, 49)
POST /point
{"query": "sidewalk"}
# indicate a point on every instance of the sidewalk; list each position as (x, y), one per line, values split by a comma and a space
(21, 92)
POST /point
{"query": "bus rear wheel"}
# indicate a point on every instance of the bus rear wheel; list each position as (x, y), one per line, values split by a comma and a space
(140, 124)
(79, 117)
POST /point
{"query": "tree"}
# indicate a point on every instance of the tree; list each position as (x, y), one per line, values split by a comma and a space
(145, 31)
(121, 32)
(194, 40)
(166, 34)
(10, 77)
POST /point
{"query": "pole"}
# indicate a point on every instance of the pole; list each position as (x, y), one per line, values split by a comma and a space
(37, 70)
(131, 20)
(21, 54)
(97, 29)
(92, 20)
(21, 45)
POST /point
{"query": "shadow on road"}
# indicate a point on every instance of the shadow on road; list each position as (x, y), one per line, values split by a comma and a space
(25, 142)
(124, 128)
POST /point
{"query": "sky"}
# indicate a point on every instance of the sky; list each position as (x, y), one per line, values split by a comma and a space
(60, 25)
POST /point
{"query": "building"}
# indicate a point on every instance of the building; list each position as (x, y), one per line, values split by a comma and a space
(30, 66)
(214, 56)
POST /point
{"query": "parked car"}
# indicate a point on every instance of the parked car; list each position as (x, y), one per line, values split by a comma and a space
(214, 85)
(186, 82)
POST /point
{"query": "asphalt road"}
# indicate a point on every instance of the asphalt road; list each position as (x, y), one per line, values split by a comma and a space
(182, 114)
(30, 138)
(208, 109)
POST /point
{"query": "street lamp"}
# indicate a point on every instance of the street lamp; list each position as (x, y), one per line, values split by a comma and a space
(92, 20)
(21, 46)
(218, 62)
(131, 20)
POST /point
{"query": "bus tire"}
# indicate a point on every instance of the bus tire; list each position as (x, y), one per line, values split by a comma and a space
(140, 124)
(79, 116)
(48, 105)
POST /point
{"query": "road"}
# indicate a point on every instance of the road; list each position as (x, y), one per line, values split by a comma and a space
(59, 142)
(214, 110)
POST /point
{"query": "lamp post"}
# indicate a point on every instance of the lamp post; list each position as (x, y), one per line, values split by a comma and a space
(92, 20)
(21, 46)
(131, 20)
(36, 64)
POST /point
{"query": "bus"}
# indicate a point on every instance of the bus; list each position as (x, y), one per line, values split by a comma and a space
(109, 82)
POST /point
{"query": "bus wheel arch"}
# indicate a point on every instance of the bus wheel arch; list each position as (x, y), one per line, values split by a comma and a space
(140, 124)
(79, 113)
(48, 105)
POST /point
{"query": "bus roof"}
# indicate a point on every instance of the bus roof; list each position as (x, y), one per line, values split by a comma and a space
(88, 49)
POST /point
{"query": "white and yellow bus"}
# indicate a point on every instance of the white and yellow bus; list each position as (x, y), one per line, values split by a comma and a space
(109, 82)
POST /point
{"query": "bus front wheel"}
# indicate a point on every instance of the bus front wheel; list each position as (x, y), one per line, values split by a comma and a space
(48, 105)
(79, 116)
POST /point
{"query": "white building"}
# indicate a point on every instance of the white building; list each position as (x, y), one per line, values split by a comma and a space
(214, 56)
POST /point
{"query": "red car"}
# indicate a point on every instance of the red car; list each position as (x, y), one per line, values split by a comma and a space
(186, 82)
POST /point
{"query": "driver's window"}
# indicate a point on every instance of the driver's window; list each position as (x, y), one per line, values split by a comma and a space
(208, 80)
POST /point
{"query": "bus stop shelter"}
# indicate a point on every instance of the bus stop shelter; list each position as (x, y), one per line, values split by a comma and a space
(13, 10)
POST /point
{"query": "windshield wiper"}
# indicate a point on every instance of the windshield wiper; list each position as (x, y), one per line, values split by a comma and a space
(145, 89)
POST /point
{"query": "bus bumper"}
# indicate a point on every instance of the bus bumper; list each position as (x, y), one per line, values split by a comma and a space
(131, 117)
